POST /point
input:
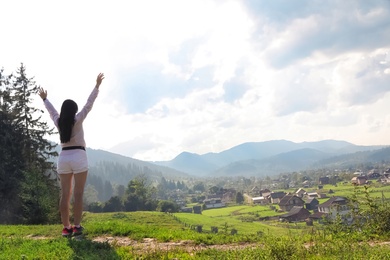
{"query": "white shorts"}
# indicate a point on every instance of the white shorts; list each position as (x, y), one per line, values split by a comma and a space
(72, 161)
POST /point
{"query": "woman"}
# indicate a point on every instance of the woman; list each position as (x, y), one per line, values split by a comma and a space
(72, 161)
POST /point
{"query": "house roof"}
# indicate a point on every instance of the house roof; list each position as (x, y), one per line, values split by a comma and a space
(310, 200)
(213, 199)
(359, 178)
(258, 198)
(265, 194)
(278, 194)
(295, 210)
(336, 200)
(285, 200)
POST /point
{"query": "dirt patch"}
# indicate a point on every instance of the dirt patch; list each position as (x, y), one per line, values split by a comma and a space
(37, 237)
(151, 244)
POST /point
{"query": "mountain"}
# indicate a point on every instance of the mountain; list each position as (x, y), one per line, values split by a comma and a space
(284, 162)
(264, 158)
(355, 159)
(247, 159)
(190, 163)
(203, 164)
(96, 157)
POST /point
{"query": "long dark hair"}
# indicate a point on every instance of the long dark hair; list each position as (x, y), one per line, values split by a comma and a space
(66, 121)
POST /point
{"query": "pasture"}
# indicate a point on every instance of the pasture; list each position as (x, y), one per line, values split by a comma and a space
(156, 235)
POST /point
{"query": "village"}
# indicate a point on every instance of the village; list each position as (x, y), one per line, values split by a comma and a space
(308, 203)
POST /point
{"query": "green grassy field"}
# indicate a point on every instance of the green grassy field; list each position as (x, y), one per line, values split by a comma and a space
(154, 235)
(243, 218)
(45, 242)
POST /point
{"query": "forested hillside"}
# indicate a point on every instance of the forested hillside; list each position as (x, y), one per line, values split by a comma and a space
(109, 173)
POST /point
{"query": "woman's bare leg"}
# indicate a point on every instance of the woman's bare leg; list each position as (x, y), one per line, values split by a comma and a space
(66, 191)
(79, 183)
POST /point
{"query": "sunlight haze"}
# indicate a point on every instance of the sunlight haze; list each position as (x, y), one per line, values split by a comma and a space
(204, 76)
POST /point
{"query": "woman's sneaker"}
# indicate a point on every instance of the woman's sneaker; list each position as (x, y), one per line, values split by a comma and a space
(67, 232)
(77, 230)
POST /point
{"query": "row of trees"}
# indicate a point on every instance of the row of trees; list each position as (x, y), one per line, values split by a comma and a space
(28, 191)
(139, 195)
(100, 189)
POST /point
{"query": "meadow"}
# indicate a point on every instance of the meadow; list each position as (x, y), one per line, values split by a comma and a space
(156, 235)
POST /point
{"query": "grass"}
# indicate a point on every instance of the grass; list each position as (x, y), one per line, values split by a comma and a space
(16, 242)
(242, 218)
(45, 241)
(57, 248)
(274, 241)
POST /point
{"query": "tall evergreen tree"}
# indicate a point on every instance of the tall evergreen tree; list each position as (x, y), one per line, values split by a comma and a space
(36, 149)
(11, 170)
(24, 151)
(11, 165)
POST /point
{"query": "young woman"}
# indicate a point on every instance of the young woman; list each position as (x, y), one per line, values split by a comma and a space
(72, 161)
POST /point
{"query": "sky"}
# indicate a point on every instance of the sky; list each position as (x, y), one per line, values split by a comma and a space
(204, 76)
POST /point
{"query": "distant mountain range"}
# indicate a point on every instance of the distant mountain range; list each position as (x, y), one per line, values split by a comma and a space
(251, 159)
(274, 157)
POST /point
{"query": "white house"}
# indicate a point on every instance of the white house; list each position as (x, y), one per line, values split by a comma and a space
(260, 200)
(333, 208)
(213, 203)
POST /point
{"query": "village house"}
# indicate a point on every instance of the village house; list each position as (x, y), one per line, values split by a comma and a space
(359, 180)
(213, 203)
(332, 208)
(275, 197)
(312, 194)
(265, 192)
(295, 214)
(306, 184)
(260, 200)
(311, 204)
(300, 192)
(385, 179)
(289, 201)
(373, 174)
(229, 195)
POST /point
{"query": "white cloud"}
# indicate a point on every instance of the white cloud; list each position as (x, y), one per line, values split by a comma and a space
(203, 76)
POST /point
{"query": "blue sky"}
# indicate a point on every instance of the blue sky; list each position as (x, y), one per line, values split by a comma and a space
(204, 76)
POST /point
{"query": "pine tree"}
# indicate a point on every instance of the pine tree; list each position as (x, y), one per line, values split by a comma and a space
(26, 191)
(11, 170)
(11, 165)
(36, 149)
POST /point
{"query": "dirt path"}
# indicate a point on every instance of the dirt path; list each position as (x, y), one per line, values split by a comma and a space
(151, 244)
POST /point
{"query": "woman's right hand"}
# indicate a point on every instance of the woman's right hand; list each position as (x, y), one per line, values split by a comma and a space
(99, 79)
